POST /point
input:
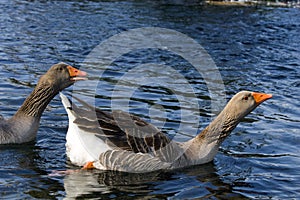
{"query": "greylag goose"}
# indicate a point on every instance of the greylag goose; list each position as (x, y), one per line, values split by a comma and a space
(120, 141)
(23, 125)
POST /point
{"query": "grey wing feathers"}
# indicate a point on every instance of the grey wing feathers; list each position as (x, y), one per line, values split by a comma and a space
(120, 129)
(127, 161)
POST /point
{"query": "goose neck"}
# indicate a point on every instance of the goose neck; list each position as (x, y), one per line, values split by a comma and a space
(219, 128)
(37, 101)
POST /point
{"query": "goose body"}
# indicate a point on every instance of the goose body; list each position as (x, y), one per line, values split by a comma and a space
(23, 125)
(123, 142)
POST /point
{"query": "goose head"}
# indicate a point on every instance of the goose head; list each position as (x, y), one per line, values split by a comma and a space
(244, 102)
(61, 76)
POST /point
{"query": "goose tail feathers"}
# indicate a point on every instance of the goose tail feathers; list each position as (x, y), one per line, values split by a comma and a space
(65, 101)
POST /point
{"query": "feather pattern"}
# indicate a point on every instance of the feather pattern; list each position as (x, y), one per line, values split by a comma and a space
(128, 143)
(23, 125)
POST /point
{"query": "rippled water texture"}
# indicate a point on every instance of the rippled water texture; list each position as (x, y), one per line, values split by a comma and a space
(254, 48)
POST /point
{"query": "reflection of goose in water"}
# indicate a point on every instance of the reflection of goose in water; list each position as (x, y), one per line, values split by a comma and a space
(123, 142)
(202, 182)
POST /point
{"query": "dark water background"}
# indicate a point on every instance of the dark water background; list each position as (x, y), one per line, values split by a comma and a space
(255, 48)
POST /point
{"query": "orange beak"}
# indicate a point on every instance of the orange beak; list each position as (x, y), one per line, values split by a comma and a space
(76, 74)
(260, 97)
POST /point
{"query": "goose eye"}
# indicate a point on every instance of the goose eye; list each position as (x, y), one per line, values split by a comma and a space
(245, 98)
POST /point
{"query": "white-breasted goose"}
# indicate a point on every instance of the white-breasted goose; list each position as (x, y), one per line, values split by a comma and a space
(123, 142)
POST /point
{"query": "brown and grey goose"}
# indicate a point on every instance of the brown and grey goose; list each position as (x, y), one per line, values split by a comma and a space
(23, 125)
(123, 142)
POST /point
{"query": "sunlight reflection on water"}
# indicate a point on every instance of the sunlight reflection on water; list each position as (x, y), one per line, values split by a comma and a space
(254, 49)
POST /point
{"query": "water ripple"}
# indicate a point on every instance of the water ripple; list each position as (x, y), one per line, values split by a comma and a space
(255, 48)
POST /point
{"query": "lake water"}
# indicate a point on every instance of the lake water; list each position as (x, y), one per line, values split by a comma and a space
(254, 48)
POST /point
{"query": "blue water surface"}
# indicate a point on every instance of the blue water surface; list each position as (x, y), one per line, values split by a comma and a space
(254, 48)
